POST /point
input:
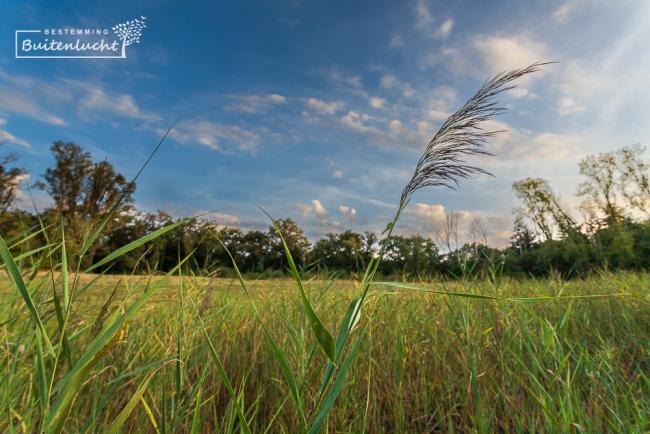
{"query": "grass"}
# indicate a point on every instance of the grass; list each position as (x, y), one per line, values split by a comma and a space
(429, 362)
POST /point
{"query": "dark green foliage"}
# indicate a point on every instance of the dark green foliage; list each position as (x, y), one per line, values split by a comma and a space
(546, 238)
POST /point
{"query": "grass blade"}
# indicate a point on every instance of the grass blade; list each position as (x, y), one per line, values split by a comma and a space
(72, 382)
(65, 294)
(323, 336)
(116, 426)
(350, 319)
(277, 352)
(24, 293)
(100, 227)
(222, 373)
(137, 243)
(337, 386)
(492, 297)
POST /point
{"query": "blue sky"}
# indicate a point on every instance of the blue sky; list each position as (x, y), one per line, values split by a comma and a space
(319, 110)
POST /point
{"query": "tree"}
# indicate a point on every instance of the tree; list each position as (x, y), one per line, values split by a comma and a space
(83, 191)
(414, 255)
(522, 239)
(295, 238)
(254, 250)
(10, 178)
(342, 251)
(542, 207)
(600, 189)
(634, 174)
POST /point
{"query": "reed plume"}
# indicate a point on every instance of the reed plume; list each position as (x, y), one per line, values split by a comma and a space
(460, 136)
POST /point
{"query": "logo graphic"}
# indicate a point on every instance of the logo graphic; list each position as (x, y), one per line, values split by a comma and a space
(129, 32)
(79, 43)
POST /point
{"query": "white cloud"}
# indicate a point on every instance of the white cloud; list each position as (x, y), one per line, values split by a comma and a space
(396, 42)
(338, 174)
(500, 53)
(304, 209)
(336, 74)
(522, 92)
(316, 206)
(424, 128)
(324, 107)
(376, 102)
(255, 103)
(319, 209)
(215, 135)
(423, 16)
(430, 218)
(223, 218)
(27, 96)
(445, 29)
(562, 13)
(356, 121)
(567, 106)
(26, 105)
(31, 97)
(431, 214)
(94, 98)
(437, 115)
(389, 81)
(347, 211)
(523, 145)
(7, 137)
(395, 126)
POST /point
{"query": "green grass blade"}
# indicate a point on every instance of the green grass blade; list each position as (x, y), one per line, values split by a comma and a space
(43, 397)
(17, 278)
(337, 386)
(351, 317)
(72, 382)
(323, 336)
(277, 352)
(30, 253)
(196, 417)
(116, 426)
(65, 294)
(100, 227)
(137, 243)
(222, 373)
(492, 297)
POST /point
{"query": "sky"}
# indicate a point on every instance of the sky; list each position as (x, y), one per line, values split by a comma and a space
(319, 111)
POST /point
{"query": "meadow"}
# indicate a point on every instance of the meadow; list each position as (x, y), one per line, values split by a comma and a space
(541, 356)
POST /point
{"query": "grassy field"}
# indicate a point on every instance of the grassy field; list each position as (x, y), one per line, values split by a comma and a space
(428, 362)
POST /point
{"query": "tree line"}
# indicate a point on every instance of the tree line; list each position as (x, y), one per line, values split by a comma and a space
(613, 230)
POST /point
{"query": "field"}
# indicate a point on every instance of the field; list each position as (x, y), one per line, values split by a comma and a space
(428, 362)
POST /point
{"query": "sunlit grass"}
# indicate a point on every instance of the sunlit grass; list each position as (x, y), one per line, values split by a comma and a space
(429, 362)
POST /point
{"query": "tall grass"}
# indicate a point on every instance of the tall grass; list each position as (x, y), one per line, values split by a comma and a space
(170, 353)
(428, 362)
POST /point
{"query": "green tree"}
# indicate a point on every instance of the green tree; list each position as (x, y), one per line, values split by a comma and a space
(9, 181)
(82, 190)
(295, 238)
(600, 190)
(542, 207)
(342, 251)
(634, 178)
